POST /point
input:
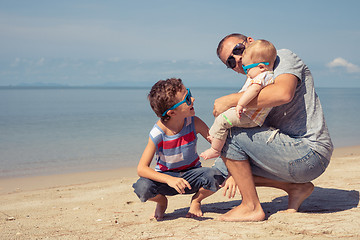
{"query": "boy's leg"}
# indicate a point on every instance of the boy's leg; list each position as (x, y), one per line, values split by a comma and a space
(204, 181)
(147, 189)
(195, 205)
(161, 205)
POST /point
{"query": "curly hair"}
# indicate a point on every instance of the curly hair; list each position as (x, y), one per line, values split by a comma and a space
(162, 96)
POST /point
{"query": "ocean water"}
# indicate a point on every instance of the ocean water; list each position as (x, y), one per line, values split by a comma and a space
(63, 130)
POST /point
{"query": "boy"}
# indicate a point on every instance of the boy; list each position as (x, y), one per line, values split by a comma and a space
(258, 62)
(173, 139)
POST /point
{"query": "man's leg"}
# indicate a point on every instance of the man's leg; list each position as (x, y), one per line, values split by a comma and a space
(250, 208)
(297, 192)
(281, 161)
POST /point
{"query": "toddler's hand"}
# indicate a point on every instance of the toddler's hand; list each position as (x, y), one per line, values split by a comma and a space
(239, 109)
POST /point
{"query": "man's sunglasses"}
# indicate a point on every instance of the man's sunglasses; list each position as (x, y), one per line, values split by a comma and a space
(250, 66)
(237, 50)
(187, 100)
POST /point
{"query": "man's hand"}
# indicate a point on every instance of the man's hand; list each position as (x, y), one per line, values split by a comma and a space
(229, 184)
(225, 102)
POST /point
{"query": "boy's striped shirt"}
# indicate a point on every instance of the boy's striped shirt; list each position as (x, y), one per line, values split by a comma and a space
(177, 152)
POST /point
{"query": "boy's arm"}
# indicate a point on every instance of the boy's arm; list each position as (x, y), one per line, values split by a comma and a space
(202, 128)
(280, 92)
(144, 170)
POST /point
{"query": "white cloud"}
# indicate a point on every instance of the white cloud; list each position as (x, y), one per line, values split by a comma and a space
(40, 62)
(114, 59)
(16, 62)
(340, 62)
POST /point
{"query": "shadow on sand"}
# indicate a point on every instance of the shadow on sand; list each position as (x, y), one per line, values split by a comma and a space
(322, 200)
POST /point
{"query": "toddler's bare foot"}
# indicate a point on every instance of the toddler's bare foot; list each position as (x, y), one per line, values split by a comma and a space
(195, 210)
(298, 192)
(160, 209)
(210, 153)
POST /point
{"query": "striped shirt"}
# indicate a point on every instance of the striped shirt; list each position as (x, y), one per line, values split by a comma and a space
(177, 152)
(258, 115)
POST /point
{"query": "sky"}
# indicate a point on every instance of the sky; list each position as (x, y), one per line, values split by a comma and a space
(136, 43)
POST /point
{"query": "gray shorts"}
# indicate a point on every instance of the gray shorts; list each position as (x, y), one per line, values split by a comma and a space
(274, 155)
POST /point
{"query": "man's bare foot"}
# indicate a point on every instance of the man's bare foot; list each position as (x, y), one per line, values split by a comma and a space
(210, 153)
(160, 209)
(298, 192)
(243, 213)
(195, 210)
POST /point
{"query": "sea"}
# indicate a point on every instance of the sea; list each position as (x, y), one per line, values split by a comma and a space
(56, 130)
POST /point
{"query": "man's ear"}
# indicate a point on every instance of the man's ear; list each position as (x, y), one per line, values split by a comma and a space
(250, 40)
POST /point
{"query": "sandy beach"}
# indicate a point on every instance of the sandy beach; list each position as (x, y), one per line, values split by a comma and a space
(102, 205)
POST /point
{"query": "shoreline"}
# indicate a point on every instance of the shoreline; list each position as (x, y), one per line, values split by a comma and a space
(31, 183)
(21, 184)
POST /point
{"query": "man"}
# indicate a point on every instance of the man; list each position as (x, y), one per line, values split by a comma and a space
(290, 150)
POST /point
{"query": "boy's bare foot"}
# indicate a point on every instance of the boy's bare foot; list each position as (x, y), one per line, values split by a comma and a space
(298, 192)
(160, 209)
(243, 213)
(195, 210)
(195, 205)
(210, 153)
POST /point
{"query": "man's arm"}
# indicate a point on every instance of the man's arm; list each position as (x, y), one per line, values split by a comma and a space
(279, 93)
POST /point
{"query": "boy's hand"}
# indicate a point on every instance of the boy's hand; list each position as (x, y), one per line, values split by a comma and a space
(229, 184)
(179, 184)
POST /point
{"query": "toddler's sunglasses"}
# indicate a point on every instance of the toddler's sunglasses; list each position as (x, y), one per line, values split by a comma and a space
(247, 67)
(237, 50)
(187, 100)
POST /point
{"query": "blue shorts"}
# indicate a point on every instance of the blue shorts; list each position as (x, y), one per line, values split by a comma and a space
(274, 155)
(208, 178)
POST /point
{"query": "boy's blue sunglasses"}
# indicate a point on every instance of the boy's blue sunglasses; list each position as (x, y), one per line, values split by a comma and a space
(187, 100)
(252, 66)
